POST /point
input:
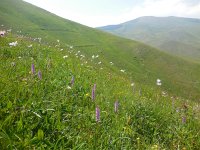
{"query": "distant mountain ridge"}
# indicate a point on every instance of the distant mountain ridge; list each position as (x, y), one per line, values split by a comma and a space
(175, 35)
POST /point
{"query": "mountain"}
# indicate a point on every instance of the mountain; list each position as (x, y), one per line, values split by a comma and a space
(175, 35)
(143, 64)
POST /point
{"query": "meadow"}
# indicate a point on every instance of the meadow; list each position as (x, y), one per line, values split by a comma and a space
(54, 96)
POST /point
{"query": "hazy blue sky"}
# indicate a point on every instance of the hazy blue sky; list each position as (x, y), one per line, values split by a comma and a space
(95, 13)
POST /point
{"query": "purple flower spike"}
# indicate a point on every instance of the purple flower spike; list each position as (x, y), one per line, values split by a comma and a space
(97, 114)
(40, 75)
(94, 87)
(183, 119)
(33, 69)
(116, 106)
(72, 81)
(93, 93)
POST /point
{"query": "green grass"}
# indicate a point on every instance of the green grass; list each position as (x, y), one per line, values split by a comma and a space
(50, 113)
(142, 63)
(46, 114)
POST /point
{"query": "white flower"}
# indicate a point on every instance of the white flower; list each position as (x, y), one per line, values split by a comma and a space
(58, 41)
(132, 84)
(2, 33)
(13, 63)
(30, 46)
(19, 57)
(111, 63)
(78, 51)
(13, 43)
(97, 56)
(69, 88)
(99, 62)
(93, 56)
(65, 56)
(158, 82)
(61, 49)
(122, 70)
(9, 30)
(71, 47)
(82, 55)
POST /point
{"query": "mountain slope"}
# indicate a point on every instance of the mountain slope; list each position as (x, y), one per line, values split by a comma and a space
(142, 64)
(178, 36)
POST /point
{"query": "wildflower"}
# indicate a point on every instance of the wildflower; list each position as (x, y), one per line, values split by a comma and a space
(19, 57)
(93, 94)
(65, 56)
(33, 69)
(97, 114)
(9, 30)
(2, 33)
(71, 47)
(69, 88)
(132, 84)
(95, 87)
(122, 70)
(72, 81)
(13, 43)
(184, 119)
(13, 64)
(87, 94)
(116, 106)
(97, 56)
(111, 63)
(158, 82)
(30, 46)
(40, 75)
(99, 62)
(78, 51)
(58, 41)
(93, 56)
(61, 49)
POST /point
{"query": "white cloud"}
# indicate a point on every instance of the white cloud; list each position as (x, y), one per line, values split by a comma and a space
(162, 8)
(88, 16)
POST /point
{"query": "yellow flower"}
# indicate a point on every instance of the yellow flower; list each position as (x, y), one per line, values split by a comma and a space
(87, 94)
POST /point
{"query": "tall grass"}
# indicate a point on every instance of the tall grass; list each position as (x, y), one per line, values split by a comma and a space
(49, 112)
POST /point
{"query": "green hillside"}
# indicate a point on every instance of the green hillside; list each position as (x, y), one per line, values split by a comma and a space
(143, 64)
(48, 100)
(175, 35)
(63, 92)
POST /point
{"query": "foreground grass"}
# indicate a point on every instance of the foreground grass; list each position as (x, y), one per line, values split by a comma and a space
(50, 112)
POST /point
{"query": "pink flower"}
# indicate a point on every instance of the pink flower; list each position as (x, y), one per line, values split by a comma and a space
(97, 114)
(33, 69)
(40, 75)
(116, 105)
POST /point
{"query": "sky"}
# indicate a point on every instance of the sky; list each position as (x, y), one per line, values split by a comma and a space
(96, 13)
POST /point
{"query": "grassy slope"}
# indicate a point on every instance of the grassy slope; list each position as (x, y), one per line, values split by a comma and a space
(142, 63)
(178, 36)
(50, 113)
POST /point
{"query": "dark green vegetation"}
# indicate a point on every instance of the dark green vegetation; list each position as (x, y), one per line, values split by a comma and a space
(175, 35)
(51, 113)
